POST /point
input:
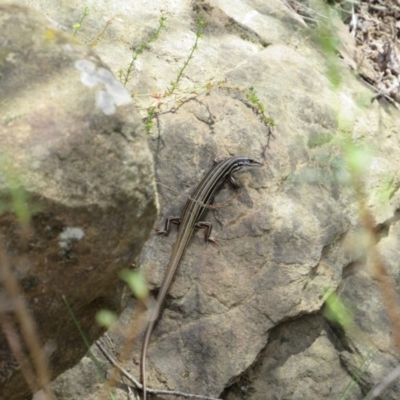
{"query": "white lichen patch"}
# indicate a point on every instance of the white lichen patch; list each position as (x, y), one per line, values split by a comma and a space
(112, 94)
(69, 234)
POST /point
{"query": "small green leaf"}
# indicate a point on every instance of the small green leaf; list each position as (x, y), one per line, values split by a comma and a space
(358, 159)
(336, 311)
(106, 318)
(136, 283)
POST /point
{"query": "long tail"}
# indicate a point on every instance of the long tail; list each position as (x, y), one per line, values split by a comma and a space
(177, 253)
(145, 345)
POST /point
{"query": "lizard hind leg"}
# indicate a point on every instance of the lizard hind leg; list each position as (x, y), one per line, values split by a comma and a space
(168, 225)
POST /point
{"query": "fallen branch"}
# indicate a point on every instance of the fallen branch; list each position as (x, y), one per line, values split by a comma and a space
(381, 387)
(138, 385)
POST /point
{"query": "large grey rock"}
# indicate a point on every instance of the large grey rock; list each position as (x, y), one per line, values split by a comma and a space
(293, 229)
(308, 342)
(75, 156)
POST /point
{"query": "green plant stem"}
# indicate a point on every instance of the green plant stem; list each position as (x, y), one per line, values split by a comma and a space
(78, 25)
(174, 84)
(86, 341)
(125, 75)
(259, 107)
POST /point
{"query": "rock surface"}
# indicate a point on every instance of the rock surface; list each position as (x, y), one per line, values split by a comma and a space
(309, 342)
(74, 158)
(246, 320)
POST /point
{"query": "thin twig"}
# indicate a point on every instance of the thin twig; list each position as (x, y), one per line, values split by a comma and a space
(96, 41)
(125, 74)
(131, 332)
(386, 92)
(174, 84)
(21, 360)
(303, 17)
(353, 23)
(387, 97)
(27, 324)
(138, 385)
(114, 362)
(380, 387)
(384, 281)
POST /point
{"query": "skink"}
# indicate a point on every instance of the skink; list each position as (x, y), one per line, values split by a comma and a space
(189, 220)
